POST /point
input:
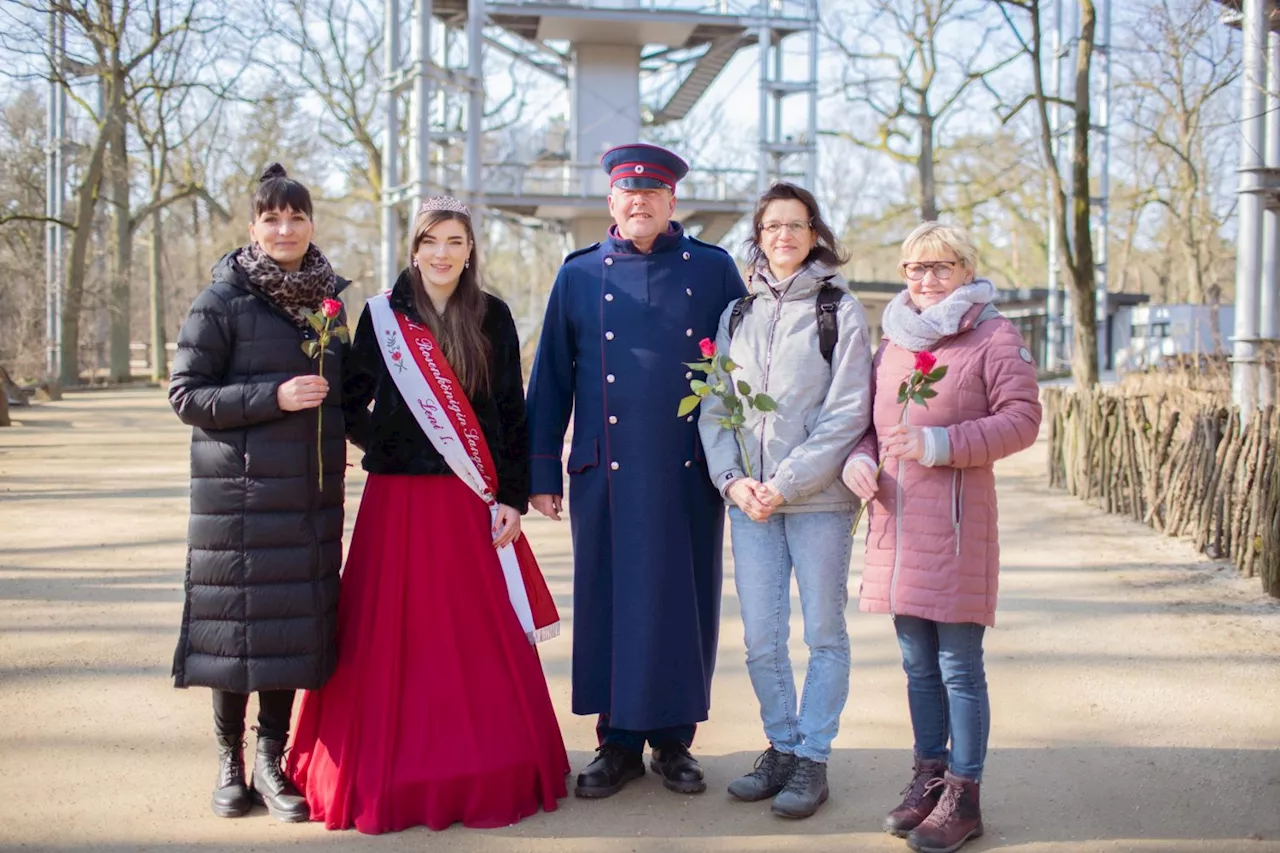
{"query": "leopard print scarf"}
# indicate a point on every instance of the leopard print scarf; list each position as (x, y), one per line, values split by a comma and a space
(294, 292)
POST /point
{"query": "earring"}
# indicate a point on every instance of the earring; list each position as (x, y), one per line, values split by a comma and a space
(415, 263)
(466, 264)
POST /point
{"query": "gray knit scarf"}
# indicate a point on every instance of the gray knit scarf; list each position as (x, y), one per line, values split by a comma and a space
(919, 331)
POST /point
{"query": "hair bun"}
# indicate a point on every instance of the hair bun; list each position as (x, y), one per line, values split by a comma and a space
(275, 170)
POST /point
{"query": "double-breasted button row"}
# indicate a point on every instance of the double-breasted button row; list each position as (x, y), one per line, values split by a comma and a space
(609, 378)
(608, 297)
(608, 262)
(613, 466)
(613, 419)
(608, 336)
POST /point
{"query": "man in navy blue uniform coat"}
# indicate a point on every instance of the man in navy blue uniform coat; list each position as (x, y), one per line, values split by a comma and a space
(623, 317)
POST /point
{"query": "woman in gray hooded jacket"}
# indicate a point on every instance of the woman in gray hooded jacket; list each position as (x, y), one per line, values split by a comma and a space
(794, 513)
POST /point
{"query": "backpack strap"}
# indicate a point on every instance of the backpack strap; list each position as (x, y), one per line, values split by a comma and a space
(828, 331)
(740, 306)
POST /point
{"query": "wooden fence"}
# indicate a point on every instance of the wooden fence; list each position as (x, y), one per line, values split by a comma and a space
(1186, 470)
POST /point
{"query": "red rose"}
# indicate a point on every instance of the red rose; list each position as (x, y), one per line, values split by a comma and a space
(925, 362)
(708, 347)
(331, 308)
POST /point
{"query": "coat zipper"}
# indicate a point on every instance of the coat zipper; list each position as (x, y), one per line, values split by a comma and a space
(897, 521)
(957, 503)
(768, 362)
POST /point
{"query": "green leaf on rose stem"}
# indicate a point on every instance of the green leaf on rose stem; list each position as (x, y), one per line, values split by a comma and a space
(315, 321)
(918, 399)
(700, 388)
(725, 363)
(743, 388)
(700, 366)
(342, 334)
(738, 419)
(928, 393)
(765, 403)
(725, 423)
(916, 378)
(688, 404)
(938, 372)
(902, 393)
(311, 348)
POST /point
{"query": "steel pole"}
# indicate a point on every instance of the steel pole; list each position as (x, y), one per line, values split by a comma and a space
(1104, 189)
(391, 145)
(475, 112)
(1244, 351)
(1269, 297)
(1053, 344)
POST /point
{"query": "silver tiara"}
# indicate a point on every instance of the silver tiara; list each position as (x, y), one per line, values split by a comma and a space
(444, 202)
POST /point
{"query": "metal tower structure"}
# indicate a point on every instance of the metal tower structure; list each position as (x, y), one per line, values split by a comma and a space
(1064, 45)
(55, 195)
(598, 49)
(1257, 309)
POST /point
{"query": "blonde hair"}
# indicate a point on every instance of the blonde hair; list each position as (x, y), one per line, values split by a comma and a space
(934, 237)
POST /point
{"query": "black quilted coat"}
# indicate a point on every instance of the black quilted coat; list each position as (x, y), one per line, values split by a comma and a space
(264, 541)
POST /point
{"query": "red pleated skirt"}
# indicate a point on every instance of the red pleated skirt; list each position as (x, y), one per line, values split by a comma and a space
(438, 711)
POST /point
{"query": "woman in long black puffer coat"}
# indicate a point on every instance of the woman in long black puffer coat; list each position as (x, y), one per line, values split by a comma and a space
(264, 541)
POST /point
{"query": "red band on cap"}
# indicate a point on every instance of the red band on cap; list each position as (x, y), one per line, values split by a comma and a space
(642, 170)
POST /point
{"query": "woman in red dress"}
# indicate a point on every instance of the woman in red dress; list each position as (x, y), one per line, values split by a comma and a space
(438, 711)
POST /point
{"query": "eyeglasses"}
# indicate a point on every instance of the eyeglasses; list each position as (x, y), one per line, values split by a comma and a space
(792, 227)
(917, 271)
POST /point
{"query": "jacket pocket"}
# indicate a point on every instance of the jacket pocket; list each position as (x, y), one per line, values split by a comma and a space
(583, 455)
(957, 503)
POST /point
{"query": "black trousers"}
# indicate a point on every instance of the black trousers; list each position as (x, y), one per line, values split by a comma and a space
(275, 707)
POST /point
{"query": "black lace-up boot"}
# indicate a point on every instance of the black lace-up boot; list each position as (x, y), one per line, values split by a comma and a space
(770, 776)
(805, 790)
(271, 786)
(231, 797)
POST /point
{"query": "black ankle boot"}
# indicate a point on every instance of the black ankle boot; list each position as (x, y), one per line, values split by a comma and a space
(231, 797)
(271, 787)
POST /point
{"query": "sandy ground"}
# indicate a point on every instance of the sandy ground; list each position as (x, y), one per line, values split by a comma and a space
(1135, 687)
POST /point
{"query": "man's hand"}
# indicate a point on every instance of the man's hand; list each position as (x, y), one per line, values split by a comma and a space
(769, 496)
(548, 505)
(302, 392)
(744, 492)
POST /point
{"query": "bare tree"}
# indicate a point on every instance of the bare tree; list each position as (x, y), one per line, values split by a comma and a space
(107, 43)
(1026, 22)
(912, 64)
(1177, 73)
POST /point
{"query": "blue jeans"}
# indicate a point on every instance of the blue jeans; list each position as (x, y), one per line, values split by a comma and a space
(946, 691)
(817, 545)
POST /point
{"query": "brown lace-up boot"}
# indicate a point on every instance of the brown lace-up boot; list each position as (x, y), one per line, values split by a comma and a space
(918, 799)
(955, 819)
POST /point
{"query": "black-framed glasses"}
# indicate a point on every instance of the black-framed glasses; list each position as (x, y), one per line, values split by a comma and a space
(792, 227)
(916, 271)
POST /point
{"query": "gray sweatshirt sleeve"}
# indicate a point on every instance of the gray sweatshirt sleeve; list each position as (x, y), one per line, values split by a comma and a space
(844, 417)
(724, 460)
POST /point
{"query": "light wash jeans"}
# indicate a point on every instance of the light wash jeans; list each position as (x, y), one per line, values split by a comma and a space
(817, 545)
(946, 691)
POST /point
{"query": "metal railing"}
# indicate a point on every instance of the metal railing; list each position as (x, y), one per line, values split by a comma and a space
(588, 180)
(788, 9)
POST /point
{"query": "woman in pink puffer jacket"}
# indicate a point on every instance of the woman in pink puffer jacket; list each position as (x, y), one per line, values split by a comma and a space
(933, 551)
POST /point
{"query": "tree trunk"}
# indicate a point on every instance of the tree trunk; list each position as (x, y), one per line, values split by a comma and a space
(928, 183)
(159, 356)
(1084, 320)
(122, 240)
(73, 295)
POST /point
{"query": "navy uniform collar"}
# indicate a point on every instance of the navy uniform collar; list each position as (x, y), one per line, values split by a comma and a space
(615, 245)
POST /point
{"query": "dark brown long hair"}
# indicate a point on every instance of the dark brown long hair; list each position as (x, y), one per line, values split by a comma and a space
(827, 250)
(460, 329)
